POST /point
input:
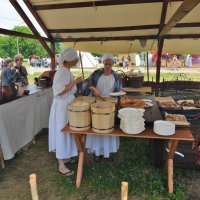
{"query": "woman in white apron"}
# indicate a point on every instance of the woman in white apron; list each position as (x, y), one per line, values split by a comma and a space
(103, 82)
(64, 87)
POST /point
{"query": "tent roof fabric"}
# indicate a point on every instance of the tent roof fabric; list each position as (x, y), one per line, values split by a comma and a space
(118, 28)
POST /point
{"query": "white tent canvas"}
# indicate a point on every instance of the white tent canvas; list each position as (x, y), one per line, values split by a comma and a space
(135, 58)
(88, 60)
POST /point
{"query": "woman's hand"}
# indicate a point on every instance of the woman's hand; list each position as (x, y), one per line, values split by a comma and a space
(197, 116)
(95, 91)
(79, 79)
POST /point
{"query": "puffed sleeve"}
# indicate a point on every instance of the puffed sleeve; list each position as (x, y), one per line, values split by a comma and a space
(61, 79)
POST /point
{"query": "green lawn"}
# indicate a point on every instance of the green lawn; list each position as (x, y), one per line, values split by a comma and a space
(132, 164)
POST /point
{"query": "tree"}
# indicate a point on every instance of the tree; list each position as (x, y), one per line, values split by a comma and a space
(10, 45)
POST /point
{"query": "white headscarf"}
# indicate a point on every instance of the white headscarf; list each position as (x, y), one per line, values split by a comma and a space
(108, 56)
(68, 54)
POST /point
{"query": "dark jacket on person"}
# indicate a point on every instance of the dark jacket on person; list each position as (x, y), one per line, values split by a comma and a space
(22, 75)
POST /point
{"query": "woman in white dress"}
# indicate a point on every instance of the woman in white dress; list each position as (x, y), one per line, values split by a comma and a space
(64, 87)
(103, 82)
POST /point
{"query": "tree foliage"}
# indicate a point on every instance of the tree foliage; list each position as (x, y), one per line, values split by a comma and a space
(11, 45)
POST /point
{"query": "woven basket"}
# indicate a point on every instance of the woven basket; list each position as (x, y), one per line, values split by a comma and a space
(135, 81)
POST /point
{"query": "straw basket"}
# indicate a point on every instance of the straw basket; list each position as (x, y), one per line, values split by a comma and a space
(103, 115)
(107, 99)
(88, 99)
(79, 115)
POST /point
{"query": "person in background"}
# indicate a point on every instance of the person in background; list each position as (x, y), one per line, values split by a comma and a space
(22, 76)
(8, 76)
(125, 64)
(103, 82)
(175, 61)
(64, 88)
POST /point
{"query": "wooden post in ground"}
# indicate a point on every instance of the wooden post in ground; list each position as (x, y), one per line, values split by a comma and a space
(124, 191)
(33, 185)
(1, 158)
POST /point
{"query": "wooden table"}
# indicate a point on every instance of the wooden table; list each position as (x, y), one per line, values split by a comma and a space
(181, 134)
(141, 90)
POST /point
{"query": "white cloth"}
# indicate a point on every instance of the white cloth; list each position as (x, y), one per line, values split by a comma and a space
(108, 57)
(61, 143)
(103, 145)
(22, 119)
(68, 54)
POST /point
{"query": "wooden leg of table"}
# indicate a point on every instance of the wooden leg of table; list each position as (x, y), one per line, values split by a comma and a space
(80, 169)
(1, 158)
(170, 176)
(173, 146)
(80, 146)
(86, 162)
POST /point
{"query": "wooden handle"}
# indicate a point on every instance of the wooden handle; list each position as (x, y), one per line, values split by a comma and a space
(33, 185)
(124, 191)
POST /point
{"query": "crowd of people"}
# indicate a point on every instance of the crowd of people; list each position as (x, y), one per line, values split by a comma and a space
(40, 62)
(13, 76)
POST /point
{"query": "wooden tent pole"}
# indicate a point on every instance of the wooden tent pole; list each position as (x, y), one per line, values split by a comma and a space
(53, 58)
(81, 64)
(147, 57)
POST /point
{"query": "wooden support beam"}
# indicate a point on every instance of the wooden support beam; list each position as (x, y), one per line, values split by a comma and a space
(105, 29)
(53, 57)
(19, 34)
(181, 12)
(91, 39)
(182, 36)
(143, 37)
(120, 28)
(38, 19)
(30, 25)
(95, 4)
(160, 44)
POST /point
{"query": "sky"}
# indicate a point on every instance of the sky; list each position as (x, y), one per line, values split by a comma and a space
(10, 18)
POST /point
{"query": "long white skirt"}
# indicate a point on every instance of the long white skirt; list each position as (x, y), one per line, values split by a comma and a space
(62, 144)
(102, 145)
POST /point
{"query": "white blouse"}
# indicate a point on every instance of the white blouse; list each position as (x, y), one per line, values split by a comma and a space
(106, 84)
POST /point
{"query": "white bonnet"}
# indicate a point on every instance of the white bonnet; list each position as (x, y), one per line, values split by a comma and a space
(108, 56)
(67, 54)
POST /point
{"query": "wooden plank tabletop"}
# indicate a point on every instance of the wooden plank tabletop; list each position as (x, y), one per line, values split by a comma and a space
(141, 90)
(181, 133)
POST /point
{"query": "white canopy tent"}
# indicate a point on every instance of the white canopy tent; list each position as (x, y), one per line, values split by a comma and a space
(116, 26)
(88, 60)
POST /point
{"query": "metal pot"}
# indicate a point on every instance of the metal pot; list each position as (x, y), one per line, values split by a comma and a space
(42, 82)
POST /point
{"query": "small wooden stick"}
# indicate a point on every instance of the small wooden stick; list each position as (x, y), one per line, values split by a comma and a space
(124, 191)
(33, 184)
(1, 158)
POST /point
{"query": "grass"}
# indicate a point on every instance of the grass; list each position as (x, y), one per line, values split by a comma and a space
(132, 164)
(194, 76)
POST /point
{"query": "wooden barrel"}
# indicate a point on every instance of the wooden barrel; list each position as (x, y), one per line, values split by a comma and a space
(107, 99)
(103, 117)
(79, 115)
(88, 99)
